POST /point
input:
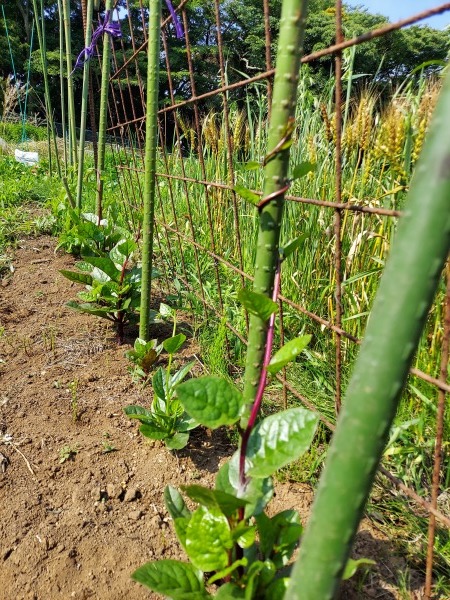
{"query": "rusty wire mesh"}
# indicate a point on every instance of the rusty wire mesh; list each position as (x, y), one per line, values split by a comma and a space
(205, 233)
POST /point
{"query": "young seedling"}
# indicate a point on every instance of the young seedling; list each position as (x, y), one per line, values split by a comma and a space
(73, 389)
(67, 453)
(166, 420)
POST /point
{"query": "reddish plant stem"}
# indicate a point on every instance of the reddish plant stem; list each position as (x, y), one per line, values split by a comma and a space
(262, 381)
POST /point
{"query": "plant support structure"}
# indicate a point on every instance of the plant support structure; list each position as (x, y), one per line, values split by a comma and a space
(405, 294)
(292, 24)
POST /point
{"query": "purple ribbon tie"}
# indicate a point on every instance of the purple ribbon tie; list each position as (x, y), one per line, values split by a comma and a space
(112, 28)
(176, 21)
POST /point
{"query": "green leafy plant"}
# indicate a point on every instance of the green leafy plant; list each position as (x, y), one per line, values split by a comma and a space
(166, 420)
(229, 536)
(113, 285)
(67, 453)
(145, 354)
(86, 235)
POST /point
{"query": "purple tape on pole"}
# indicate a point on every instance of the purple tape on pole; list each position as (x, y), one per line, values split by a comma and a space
(176, 21)
(112, 28)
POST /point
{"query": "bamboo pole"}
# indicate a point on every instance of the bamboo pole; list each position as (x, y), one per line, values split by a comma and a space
(106, 68)
(281, 126)
(151, 138)
(62, 84)
(84, 107)
(70, 95)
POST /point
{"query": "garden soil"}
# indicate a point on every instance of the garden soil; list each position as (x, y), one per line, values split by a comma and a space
(81, 491)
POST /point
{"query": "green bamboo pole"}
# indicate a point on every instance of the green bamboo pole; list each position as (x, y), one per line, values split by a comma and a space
(151, 138)
(106, 67)
(70, 94)
(62, 83)
(404, 297)
(40, 27)
(84, 106)
(289, 52)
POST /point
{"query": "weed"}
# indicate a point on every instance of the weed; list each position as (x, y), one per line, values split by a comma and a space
(68, 453)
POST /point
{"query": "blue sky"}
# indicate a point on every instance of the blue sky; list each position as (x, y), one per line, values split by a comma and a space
(400, 9)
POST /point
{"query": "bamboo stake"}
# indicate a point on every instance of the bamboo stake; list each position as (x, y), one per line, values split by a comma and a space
(281, 127)
(70, 96)
(62, 84)
(151, 138)
(84, 106)
(106, 67)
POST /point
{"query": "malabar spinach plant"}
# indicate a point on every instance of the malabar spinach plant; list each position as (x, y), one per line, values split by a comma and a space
(166, 420)
(113, 285)
(144, 354)
(85, 235)
(229, 536)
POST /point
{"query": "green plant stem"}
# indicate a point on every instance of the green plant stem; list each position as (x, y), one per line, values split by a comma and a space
(405, 294)
(276, 171)
(150, 164)
(106, 67)
(70, 95)
(84, 106)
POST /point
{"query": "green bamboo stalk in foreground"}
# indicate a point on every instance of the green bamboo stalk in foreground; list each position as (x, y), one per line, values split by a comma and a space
(84, 105)
(404, 297)
(289, 52)
(106, 68)
(151, 133)
(70, 95)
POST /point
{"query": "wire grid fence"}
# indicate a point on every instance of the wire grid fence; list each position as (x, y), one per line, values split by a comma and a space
(205, 233)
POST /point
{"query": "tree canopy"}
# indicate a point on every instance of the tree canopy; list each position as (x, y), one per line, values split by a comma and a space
(387, 58)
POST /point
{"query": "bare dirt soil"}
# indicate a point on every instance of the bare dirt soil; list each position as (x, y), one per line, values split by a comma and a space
(78, 528)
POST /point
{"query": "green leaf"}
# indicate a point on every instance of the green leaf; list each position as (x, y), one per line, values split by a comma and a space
(244, 535)
(247, 194)
(83, 278)
(122, 250)
(175, 503)
(104, 264)
(277, 589)
(227, 571)
(138, 412)
(153, 431)
(178, 580)
(166, 311)
(288, 353)
(185, 423)
(208, 539)
(173, 344)
(257, 492)
(293, 245)
(159, 384)
(227, 503)
(211, 400)
(257, 304)
(177, 441)
(92, 309)
(303, 169)
(278, 440)
(229, 591)
(352, 566)
(181, 374)
(181, 525)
